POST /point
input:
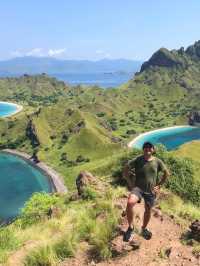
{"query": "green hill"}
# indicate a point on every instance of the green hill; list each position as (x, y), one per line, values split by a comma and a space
(87, 128)
(62, 123)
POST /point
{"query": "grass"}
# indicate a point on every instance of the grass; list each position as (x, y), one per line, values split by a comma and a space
(41, 256)
(93, 220)
(182, 210)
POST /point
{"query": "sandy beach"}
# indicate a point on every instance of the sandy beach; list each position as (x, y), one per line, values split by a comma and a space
(19, 108)
(132, 142)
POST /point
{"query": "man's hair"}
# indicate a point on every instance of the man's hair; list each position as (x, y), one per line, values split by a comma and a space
(149, 144)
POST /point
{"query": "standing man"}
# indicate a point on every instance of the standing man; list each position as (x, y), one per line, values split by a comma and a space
(147, 185)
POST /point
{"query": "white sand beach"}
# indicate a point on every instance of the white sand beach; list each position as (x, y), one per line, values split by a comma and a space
(19, 108)
(132, 142)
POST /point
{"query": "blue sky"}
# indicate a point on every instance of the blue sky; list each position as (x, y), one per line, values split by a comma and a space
(94, 29)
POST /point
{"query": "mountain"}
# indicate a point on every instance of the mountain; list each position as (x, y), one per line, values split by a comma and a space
(38, 65)
(87, 128)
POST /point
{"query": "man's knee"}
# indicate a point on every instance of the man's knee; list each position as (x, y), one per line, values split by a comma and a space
(132, 200)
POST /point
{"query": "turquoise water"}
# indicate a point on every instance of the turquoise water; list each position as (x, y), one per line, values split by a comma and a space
(19, 180)
(172, 138)
(7, 109)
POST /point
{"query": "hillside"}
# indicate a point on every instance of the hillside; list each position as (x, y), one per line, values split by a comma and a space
(87, 128)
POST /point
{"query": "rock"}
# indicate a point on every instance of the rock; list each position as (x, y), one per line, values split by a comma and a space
(158, 214)
(120, 248)
(84, 179)
(195, 230)
(92, 263)
(135, 244)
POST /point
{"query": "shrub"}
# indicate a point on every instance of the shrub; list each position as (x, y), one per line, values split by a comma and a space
(101, 114)
(36, 209)
(42, 256)
(8, 240)
(66, 246)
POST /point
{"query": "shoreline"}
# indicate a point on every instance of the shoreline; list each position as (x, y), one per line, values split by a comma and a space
(55, 179)
(19, 108)
(132, 142)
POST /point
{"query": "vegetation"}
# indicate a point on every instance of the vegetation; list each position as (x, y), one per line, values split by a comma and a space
(83, 128)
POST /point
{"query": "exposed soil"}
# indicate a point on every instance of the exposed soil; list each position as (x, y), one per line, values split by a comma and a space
(164, 248)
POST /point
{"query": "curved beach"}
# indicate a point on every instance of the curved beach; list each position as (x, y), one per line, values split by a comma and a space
(19, 108)
(135, 140)
(55, 178)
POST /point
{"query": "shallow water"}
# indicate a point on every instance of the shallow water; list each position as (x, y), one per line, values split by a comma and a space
(7, 109)
(19, 180)
(172, 138)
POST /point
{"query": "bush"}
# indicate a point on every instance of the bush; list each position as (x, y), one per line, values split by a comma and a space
(66, 246)
(182, 172)
(36, 209)
(8, 240)
(42, 256)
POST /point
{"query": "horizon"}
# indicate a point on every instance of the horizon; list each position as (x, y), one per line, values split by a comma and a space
(95, 30)
(66, 59)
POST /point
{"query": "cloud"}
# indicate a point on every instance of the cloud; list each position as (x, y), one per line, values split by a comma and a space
(103, 54)
(35, 52)
(39, 52)
(56, 52)
(16, 54)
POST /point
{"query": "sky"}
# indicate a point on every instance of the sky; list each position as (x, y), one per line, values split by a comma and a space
(96, 29)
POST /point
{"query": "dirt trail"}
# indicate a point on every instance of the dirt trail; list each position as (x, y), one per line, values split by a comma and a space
(166, 236)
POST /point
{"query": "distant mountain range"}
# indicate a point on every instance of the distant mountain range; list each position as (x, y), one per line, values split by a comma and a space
(37, 65)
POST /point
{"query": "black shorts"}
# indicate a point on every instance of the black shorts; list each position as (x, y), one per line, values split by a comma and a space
(149, 197)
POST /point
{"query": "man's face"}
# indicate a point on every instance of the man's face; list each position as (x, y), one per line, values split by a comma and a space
(148, 150)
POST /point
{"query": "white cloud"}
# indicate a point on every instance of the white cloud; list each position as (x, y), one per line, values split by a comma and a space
(39, 52)
(103, 54)
(56, 52)
(16, 53)
(35, 52)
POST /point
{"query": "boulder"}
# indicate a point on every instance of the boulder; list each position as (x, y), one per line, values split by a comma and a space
(84, 179)
(195, 230)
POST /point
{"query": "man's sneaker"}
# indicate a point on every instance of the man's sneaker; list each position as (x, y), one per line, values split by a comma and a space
(128, 234)
(146, 234)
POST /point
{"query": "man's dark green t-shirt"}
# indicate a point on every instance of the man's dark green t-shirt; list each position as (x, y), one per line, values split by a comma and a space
(146, 172)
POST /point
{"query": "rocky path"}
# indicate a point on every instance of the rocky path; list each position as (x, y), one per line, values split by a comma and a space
(165, 247)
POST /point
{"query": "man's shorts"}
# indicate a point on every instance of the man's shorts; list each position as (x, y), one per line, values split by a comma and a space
(149, 197)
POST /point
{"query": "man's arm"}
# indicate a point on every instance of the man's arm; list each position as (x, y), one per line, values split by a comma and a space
(163, 177)
(127, 172)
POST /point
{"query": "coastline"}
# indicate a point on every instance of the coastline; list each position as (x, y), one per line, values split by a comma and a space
(131, 143)
(19, 108)
(55, 178)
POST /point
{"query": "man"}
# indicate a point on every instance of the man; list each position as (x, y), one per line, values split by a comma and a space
(147, 185)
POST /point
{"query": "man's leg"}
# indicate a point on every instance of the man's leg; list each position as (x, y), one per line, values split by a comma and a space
(149, 202)
(147, 215)
(132, 200)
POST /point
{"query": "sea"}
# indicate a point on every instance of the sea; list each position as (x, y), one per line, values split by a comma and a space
(104, 80)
